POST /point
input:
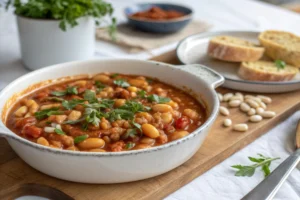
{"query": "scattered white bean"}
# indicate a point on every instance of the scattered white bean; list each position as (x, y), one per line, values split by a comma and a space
(234, 103)
(251, 112)
(224, 111)
(252, 103)
(239, 94)
(265, 99)
(220, 96)
(255, 118)
(49, 129)
(268, 114)
(262, 104)
(227, 96)
(240, 127)
(244, 107)
(237, 98)
(248, 96)
(227, 122)
(260, 110)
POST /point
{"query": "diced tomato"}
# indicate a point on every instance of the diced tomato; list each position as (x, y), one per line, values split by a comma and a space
(182, 122)
(32, 131)
(42, 95)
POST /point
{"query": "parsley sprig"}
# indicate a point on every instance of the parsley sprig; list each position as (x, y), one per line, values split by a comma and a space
(69, 90)
(122, 83)
(249, 170)
(153, 97)
(47, 112)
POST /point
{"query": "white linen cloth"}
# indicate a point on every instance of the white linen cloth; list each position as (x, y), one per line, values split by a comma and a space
(219, 183)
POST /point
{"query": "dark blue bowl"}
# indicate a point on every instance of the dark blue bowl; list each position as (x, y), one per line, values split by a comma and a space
(162, 26)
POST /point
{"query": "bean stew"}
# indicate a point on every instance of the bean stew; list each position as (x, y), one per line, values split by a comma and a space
(108, 112)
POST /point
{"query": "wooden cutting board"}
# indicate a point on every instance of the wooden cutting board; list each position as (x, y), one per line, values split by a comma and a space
(16, 176)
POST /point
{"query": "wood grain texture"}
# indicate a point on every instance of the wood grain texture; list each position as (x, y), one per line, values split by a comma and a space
(219, 145)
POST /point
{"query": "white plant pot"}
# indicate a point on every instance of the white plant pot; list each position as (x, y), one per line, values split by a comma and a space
(43, 43)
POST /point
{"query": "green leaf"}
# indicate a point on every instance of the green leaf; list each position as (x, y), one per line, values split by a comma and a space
(134, 106)
(257, 160)
(80, 138)
(158, 99)
(129, 145)
(69, 105)
(136, 125)
(142, 93)
(100, 86)
(265, 168)
(73, 121)
(121, 83)
(245, 171)
(47, 112)
(280, 64)
(69, 90)
(90, 96)
(237, 166)
(114, 75)
(59, 131)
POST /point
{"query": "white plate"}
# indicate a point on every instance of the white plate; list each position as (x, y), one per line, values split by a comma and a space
(192, 50)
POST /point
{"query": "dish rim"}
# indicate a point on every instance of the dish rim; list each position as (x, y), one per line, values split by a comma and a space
(211, 116)
(215, 33)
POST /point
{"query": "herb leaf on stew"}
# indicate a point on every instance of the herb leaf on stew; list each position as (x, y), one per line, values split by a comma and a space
(80, 138)
(249, 170)
(158, 99)
(90, 96)
(122, 83)
(129, 145)
(69, 90)
(59, 131)
(69, 105)
(47, 112)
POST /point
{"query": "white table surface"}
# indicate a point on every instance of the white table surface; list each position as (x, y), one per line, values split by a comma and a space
(218, 183)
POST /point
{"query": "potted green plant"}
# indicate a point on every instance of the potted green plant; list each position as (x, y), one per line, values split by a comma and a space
(56, 31)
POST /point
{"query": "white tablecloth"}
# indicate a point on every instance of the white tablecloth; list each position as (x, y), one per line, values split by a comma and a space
(218, 183)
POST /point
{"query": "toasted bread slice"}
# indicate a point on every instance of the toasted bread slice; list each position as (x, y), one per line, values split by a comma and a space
(233, 49)
(281, 45)
(266, 71)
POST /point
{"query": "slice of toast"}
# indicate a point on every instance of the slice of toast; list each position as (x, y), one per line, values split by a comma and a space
(281, 45)
(266, 71)
(233, 49)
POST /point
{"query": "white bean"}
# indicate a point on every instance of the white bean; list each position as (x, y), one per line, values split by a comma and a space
(260, 110)
(255, 118)
(251, 112)
(240, 127)
(252, 103)
(49, 129)
(234, 103)
(248, 96)
(220, 96)
(262, 104)
(227, 122)
(227, 96)
(240, 95)
(244, 107)
(265, 99)
(237, 98)
(224, 111)
(268, 114)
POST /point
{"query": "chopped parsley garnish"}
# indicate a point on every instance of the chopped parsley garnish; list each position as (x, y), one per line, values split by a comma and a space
(90, 96)
(59, 131)
(92, 116)
(158, 99)
(100, 86)
(122, 83)
(80, 138)
(69, 105)
(69, 90)
(47, 112)
(142, 94)
(129, 145)
(280, 64)
(134, 106)
(114, 75)
(132, 133)
(136, 125)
